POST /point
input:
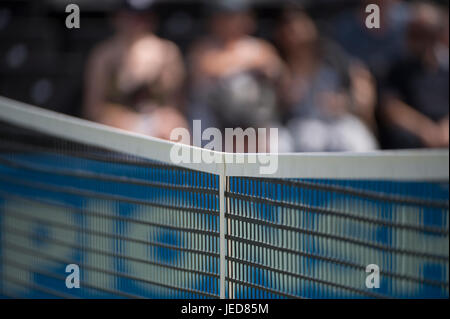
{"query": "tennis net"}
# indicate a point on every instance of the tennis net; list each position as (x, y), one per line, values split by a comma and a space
(138, 226)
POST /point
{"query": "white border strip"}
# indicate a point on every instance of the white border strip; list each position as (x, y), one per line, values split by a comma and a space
(95, 134)
(392, 165)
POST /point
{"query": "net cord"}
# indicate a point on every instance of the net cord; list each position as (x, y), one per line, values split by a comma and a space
(393, 165)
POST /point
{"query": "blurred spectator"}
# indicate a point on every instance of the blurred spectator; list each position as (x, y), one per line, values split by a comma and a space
(376, 47)
(234, 74)
(415, 98)
(319, 90)
(132, 80)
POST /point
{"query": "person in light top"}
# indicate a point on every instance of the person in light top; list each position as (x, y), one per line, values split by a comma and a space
(133, 80)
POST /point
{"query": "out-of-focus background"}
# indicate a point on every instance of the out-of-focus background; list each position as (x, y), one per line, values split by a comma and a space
(311, 68)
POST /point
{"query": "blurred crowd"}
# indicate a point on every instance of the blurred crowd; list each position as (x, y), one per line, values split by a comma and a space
(330, 86)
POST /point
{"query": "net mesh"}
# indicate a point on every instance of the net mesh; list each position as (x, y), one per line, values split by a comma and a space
(135, 228)
(138, 228)
(314, 238)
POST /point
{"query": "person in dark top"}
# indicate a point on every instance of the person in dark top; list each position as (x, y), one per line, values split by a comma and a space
(415, 99)
(376, 47)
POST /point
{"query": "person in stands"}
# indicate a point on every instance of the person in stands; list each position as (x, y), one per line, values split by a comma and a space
(415, 98)
(328, 99)
(133, 80)
(234, 75)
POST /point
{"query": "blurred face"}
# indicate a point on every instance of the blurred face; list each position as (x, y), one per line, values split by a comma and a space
(445, 32)
(231, 25)
(129, 23)
(297, 31)
(425, 29)
(420, 38)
